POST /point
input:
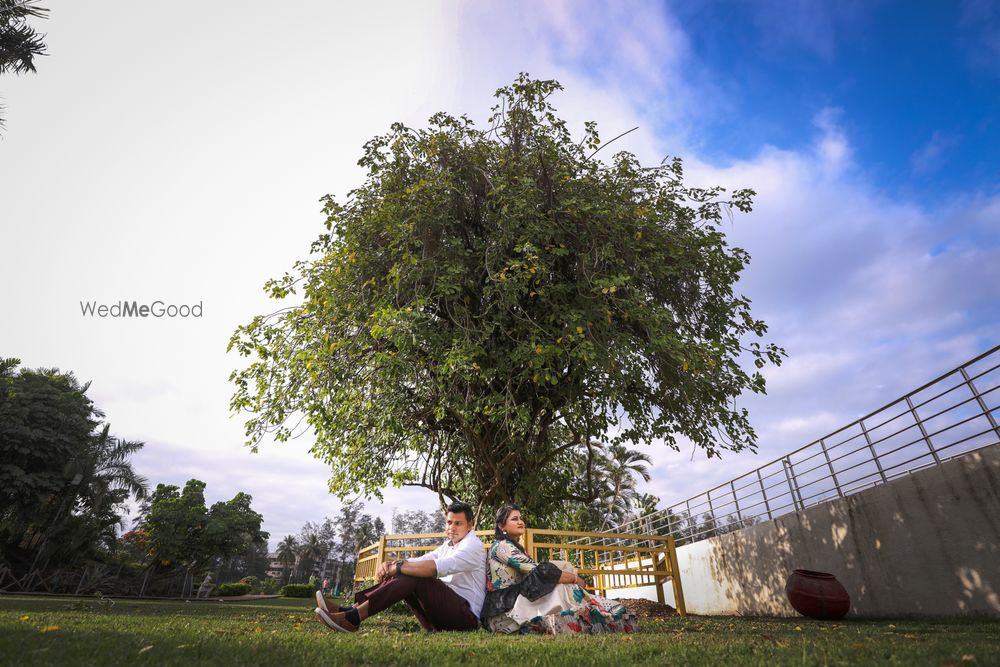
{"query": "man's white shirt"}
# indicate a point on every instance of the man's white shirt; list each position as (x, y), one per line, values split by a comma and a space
(463, 568)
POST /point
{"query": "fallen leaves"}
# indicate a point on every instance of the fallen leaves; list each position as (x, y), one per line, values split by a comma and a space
(144, 649)
(50, 628)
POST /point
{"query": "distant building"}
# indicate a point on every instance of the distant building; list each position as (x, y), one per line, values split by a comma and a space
(321, 570)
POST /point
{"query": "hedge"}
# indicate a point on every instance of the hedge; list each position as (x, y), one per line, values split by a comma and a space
(297, 591)
(233, 589)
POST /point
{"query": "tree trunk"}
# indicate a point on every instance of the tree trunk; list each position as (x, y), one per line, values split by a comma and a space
(145, 578)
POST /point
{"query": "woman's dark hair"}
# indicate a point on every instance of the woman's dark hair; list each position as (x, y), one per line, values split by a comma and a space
(502, 515)
(462, 508)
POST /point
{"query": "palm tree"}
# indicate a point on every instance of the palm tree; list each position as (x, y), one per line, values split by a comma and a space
(19, 42)
(620, 466)
(108, 461)
(103, 479)
(287, 554)
(310, 551)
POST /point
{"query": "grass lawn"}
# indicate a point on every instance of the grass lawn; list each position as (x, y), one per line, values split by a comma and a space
(66, 631)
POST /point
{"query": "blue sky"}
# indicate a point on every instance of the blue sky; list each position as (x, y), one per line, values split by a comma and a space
(159, 157)
(915, 84)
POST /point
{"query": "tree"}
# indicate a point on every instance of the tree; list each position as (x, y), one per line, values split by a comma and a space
(310, 551)
(232, 530)
(492, 305)
(620, 468)
(326, 534)
(19, 42)
(415, 522)
(182, 531)
(64, 479)
(287, 555)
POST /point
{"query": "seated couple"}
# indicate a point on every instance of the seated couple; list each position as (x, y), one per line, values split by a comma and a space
(457, 586)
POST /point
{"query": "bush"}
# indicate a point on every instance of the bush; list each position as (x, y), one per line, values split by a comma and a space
(270, 586)
(297, 591)
(226, 590)
(253, 582)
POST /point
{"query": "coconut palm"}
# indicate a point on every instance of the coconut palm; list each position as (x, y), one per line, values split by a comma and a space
(620, 467)
(19, 42)
(288, 554)
(310, 551)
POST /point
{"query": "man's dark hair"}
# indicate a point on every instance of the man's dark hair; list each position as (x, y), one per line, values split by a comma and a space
(464, 508)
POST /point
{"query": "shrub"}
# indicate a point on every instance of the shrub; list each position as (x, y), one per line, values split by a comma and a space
(253, 582)
(297, 591)
(270, 586)
(233, 589)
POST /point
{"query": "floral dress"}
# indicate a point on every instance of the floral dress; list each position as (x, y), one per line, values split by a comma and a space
(565, 609)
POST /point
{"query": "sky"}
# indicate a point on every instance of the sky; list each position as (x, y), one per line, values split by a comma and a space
(165, 154)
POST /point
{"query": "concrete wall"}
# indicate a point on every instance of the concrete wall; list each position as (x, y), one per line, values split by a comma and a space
(925, 544)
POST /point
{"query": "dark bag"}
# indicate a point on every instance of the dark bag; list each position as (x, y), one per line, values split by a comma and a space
(540, 581)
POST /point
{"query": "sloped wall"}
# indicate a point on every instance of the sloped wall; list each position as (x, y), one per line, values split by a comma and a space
(925, 544)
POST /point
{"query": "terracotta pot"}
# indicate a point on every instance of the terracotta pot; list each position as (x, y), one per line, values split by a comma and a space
(817, 595)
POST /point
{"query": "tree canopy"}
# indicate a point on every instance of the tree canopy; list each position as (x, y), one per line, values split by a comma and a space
(180, 529)
(64, 479)
(493, 308)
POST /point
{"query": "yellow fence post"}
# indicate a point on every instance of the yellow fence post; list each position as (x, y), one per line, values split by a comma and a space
(675, 578)
(381, 552)
(661, 562)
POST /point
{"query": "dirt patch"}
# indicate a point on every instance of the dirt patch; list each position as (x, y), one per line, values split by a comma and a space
(647, 608)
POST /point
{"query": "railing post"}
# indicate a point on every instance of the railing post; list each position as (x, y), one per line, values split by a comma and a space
(381, 552)
(871, 448)
(736, 502)
(763, 493)
(711, 513)
(792, 485)
(982, 403)
(829, 464)
(691, 531)
(923, 431)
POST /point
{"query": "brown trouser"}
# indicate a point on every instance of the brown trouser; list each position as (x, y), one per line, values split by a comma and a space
(435, 605)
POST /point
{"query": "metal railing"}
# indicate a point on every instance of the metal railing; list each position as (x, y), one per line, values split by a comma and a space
(951, 415)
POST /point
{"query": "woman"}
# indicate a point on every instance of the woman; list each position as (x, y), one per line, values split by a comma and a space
(528, 597)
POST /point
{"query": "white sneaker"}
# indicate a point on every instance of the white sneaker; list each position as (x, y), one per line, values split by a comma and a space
(321, 602)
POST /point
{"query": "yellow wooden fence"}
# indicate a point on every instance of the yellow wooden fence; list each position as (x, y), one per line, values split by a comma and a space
(612, 561)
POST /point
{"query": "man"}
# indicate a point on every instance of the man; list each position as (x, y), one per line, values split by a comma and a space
(444, 589)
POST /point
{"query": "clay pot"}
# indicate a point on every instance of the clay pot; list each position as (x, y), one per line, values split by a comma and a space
(817, 595)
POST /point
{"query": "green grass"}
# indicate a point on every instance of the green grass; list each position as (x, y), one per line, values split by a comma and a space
(65, 631)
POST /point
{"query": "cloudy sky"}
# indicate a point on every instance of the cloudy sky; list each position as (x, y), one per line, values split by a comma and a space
(177, 152)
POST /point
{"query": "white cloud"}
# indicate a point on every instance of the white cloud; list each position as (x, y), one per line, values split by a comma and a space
(933, 154)
(831, 146)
